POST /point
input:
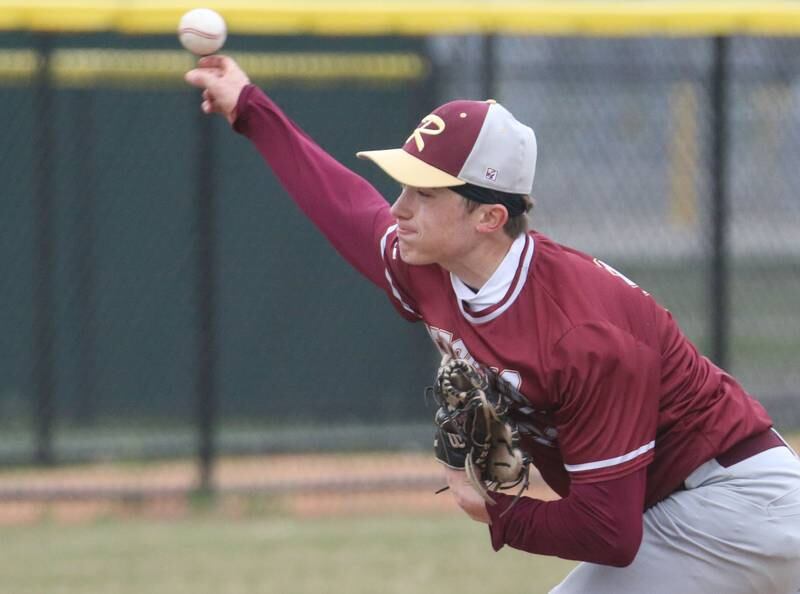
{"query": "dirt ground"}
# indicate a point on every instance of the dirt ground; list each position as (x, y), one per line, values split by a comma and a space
(300, 485)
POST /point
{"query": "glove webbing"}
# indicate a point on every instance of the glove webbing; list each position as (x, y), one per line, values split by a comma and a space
(516, 403)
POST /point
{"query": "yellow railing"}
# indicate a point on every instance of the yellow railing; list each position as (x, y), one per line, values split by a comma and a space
(414, 17)
(88, 67)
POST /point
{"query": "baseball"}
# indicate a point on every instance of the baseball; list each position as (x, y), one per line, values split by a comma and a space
(202, 31)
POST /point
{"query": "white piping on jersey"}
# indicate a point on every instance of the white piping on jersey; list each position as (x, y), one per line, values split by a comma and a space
(496, 288)
(388, 275)
(611, 461)
(791, 449)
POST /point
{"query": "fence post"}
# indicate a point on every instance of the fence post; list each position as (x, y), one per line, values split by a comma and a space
(43, 298)
(427, 89)
(719, 288)
(86, 404)
(205, 241)
(489, 66)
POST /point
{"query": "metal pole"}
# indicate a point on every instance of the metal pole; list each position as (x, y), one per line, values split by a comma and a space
(426, 89)
(719, 289)
(489, 67)
(43, 299)
(206, 348)
(86, 405)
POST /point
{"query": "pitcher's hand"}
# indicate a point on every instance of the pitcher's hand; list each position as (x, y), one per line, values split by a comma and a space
(467, 498)
(222, 80)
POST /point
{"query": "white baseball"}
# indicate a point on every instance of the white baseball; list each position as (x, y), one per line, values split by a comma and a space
(202, 31)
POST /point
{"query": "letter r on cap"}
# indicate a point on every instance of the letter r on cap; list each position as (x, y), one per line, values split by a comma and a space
(425, 127)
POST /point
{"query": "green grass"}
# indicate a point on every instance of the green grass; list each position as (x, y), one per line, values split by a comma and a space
(206, 554)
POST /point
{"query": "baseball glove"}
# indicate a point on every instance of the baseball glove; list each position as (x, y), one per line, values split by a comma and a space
(474, 431)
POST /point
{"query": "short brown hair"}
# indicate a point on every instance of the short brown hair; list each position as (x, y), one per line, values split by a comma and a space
(515, 226)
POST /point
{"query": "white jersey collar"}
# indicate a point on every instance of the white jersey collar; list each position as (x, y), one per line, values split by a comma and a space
(499, 285)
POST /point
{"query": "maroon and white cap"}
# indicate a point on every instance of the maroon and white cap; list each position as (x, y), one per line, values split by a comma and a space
(475, 142)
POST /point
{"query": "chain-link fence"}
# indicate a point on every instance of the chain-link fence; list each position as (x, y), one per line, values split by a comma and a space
(163, 298)
(626, 172)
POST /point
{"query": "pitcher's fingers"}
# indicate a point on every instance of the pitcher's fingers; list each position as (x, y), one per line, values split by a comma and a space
(200, 77)
(218, 61)
(206, 106)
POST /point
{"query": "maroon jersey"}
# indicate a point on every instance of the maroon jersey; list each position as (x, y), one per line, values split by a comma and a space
(614, 385)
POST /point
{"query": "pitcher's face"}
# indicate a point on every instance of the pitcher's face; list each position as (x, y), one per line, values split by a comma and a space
(433, 226)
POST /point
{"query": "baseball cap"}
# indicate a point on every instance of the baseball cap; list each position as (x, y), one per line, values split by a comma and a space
(464, 142)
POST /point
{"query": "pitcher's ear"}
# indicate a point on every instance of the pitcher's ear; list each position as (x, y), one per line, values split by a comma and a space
(491, 218)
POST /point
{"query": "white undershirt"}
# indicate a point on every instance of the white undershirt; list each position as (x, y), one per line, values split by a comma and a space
(496, 288)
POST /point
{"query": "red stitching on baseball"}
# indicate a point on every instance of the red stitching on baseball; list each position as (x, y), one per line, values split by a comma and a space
(199, 33)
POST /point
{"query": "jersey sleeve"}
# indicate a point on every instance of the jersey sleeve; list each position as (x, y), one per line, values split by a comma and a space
(598, 522)
(350, 212)
(548, 462)
(605, 385)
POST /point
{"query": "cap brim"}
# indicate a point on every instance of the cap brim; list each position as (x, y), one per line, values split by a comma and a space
(410, 171)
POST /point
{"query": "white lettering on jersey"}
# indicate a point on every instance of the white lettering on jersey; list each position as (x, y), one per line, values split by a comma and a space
(614, 272)
(512, 377)
(443, 340)
(540, 431)
(460, 351)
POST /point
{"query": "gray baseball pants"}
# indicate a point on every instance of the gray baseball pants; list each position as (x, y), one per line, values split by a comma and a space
(734, 530)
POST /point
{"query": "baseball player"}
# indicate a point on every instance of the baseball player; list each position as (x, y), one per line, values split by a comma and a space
(670, 475)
